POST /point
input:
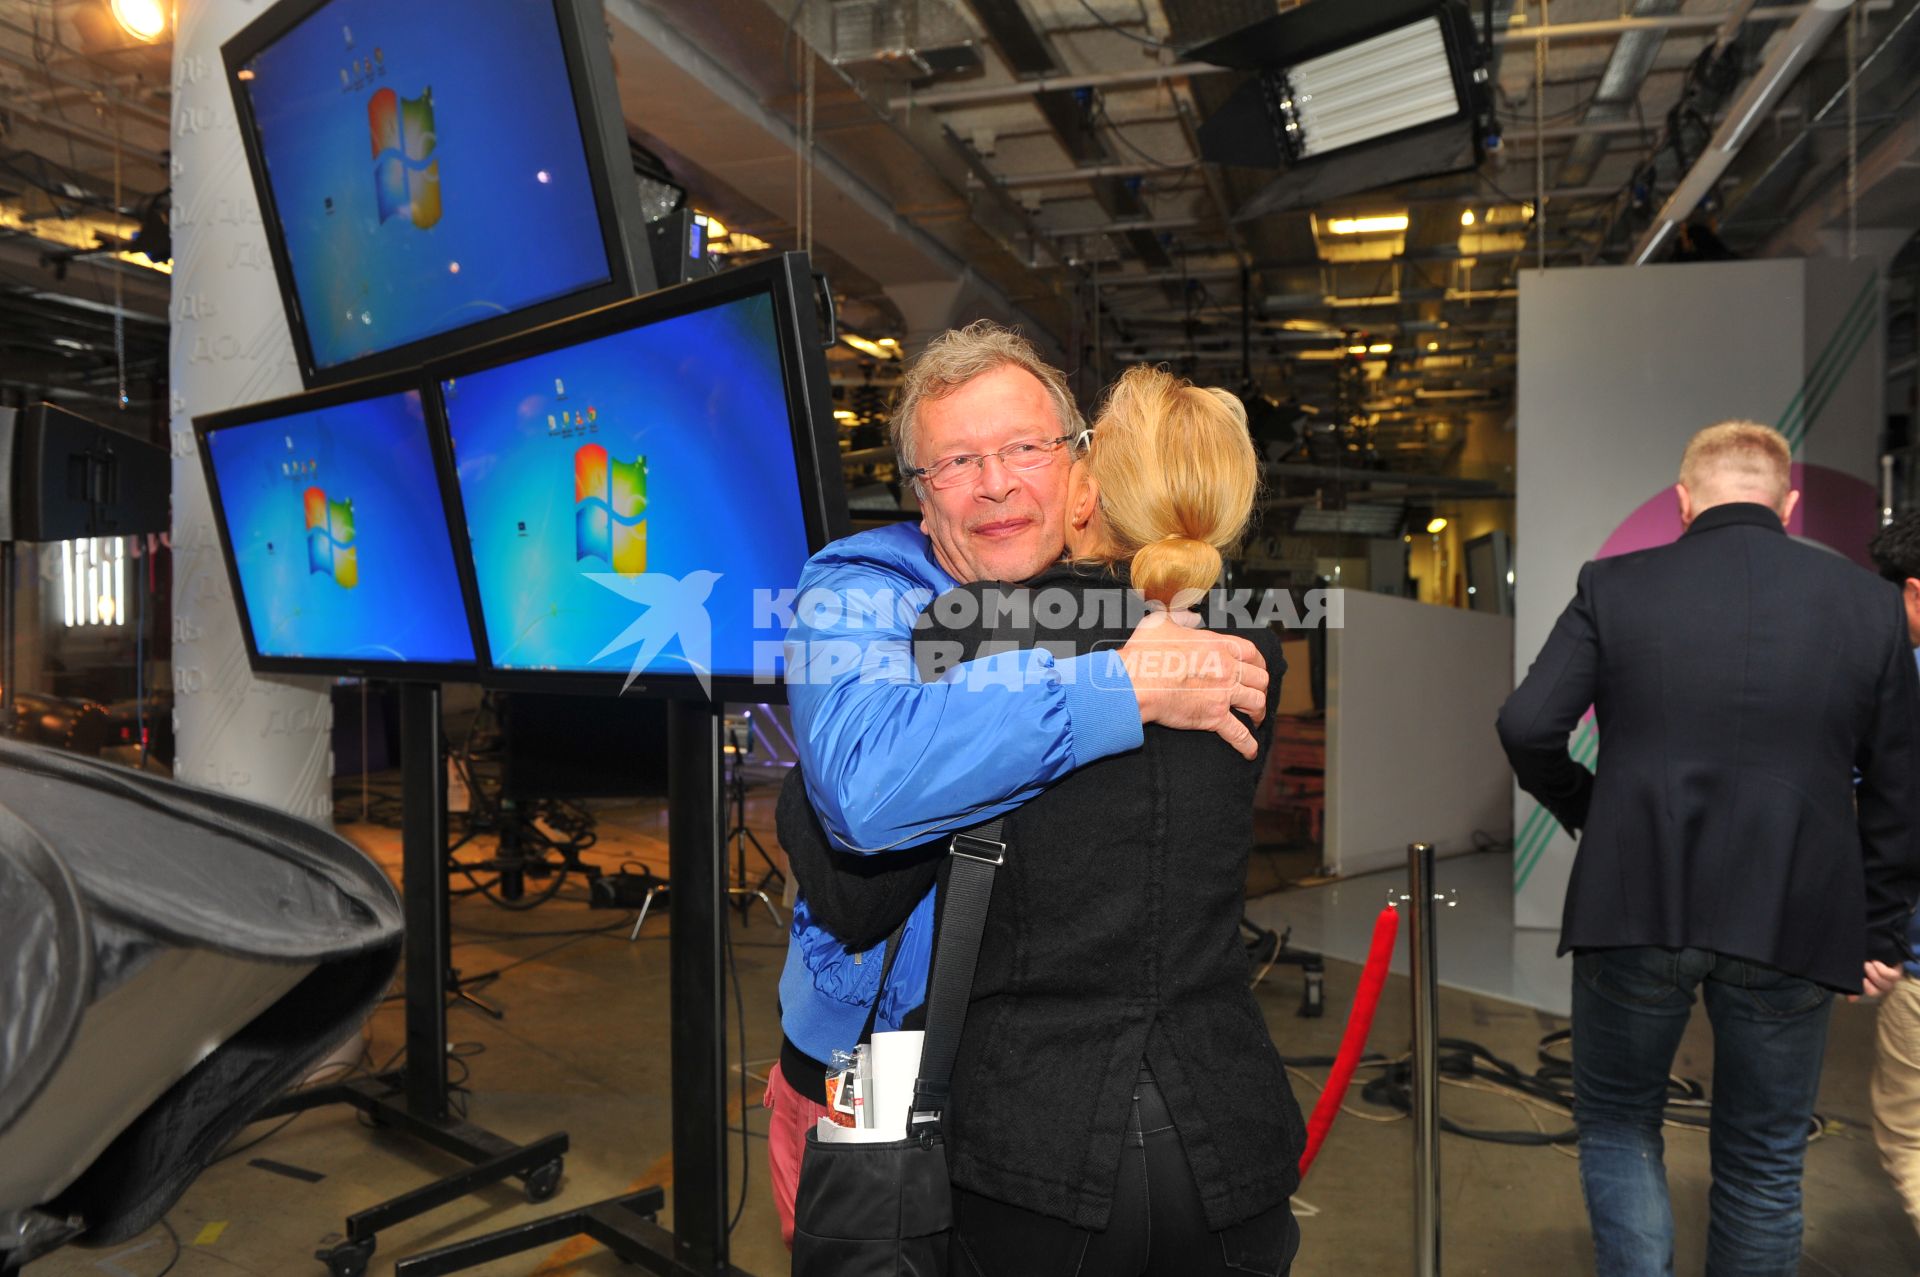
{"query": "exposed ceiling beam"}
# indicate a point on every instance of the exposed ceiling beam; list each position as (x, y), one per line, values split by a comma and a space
(1679, 23)
(1784, 63)
(35, 66)
(1028, 52)
(84, 133)
(1880, 160)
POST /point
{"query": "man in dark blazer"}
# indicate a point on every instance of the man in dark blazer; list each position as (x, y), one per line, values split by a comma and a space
(1751, 833)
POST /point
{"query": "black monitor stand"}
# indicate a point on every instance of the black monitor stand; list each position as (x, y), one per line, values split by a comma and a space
(697, 1246)
(413, 1099)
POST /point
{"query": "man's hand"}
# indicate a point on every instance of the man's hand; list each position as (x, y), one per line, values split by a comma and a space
(1187, 677)
(1879, 981)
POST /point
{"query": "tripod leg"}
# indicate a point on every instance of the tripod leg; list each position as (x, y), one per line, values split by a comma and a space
(641, 921)
(747, 895)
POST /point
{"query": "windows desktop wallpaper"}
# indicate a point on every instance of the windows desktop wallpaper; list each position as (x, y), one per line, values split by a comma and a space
(646, 459)
(339, 534)
(427, 164)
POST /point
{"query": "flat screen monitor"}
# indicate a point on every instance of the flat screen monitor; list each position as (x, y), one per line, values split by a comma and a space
(639, 486)
(436, 173)
(332, 517)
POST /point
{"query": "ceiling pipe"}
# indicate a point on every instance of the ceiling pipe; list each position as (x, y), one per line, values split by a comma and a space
(1793, 51)
(111, 93)
(80, 132)
(1633, 58)
(1678, 24)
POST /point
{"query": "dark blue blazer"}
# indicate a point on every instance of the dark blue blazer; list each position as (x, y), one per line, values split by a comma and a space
(1739, 679)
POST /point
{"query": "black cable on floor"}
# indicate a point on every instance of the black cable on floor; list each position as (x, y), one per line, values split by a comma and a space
(168, 1225)
(1551, 1084)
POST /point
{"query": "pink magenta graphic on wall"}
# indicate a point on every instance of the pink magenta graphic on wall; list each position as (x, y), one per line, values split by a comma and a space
(1837, 512)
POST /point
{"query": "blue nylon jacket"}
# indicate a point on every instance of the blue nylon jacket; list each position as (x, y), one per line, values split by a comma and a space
(892, 762)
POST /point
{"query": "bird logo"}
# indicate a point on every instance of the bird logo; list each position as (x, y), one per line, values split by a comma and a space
(675, 607)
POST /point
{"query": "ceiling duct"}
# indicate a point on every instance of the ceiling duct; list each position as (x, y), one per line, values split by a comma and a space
(895, 39)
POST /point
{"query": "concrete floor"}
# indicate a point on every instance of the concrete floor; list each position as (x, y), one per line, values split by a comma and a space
(583, 1048)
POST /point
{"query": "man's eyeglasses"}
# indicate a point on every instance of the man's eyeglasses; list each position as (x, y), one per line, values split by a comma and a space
(965, 467)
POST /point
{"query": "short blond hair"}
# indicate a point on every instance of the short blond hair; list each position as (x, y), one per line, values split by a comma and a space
(959, 355)
(1743, 455)
(1177, 475)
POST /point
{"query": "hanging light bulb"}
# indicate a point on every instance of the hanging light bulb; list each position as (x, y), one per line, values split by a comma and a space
(142, 19)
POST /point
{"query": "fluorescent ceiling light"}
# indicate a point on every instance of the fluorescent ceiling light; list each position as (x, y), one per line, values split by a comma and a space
(1367, 225)
(1388, 84)
(1350, 96)
(1355, 520)
(874, 348)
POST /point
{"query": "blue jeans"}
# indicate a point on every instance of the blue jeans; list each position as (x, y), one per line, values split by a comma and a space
(1630, 1007)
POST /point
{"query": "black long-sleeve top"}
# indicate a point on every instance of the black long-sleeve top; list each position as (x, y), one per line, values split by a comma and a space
(1113, 936)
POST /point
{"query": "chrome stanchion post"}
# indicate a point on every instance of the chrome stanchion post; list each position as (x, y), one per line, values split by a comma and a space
(1425, 1080)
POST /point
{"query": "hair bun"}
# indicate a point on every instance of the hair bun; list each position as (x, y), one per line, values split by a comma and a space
(1176, 570)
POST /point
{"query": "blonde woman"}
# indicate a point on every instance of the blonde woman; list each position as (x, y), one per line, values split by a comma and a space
(1118, 1106)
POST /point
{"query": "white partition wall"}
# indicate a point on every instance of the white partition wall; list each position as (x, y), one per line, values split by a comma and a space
(1412, 690)
(1618, 367)
(267, 740)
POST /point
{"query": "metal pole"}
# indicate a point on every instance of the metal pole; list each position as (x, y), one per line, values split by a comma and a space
(423, 885)
(696, 955)
(1426, 1063)
(8, 620)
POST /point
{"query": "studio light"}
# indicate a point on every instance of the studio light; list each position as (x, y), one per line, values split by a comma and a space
(885, 348)
(1348, 95)
(1367, 225)
(144, 20)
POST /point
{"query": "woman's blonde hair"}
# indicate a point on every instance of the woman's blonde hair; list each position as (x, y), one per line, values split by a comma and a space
(1177, 475)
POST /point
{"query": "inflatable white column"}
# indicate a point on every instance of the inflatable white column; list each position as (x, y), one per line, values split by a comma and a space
(258, 739)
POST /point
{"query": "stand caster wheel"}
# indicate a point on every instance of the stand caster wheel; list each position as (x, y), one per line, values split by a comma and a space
(544, 1181)
(348, 1259)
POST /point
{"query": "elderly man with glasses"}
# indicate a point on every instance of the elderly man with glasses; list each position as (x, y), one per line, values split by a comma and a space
(986, 429)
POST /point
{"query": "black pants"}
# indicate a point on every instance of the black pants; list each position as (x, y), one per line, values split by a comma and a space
(1157, 1228)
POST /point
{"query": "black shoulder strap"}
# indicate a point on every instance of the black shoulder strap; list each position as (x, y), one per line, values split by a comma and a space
(886, 969)
(976, 854)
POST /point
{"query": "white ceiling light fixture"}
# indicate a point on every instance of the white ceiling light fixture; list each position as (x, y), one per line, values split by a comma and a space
(1384, 224)
(1368, 90)
(144, 20)
(1350, 96)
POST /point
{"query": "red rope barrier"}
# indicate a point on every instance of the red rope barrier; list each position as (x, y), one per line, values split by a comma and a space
(1366, 1000)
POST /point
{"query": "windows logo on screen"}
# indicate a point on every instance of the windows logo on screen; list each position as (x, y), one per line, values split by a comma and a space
(330, 547)
(610, 506)
(406, 176)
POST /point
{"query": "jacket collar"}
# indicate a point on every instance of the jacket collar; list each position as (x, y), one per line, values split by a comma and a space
(1735, 514)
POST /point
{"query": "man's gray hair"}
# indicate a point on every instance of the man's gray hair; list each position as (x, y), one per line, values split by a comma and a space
(959, 355)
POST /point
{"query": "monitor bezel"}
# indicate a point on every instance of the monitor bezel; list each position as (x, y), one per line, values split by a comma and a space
(334, 396)
(809, 397)
(589, 60)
